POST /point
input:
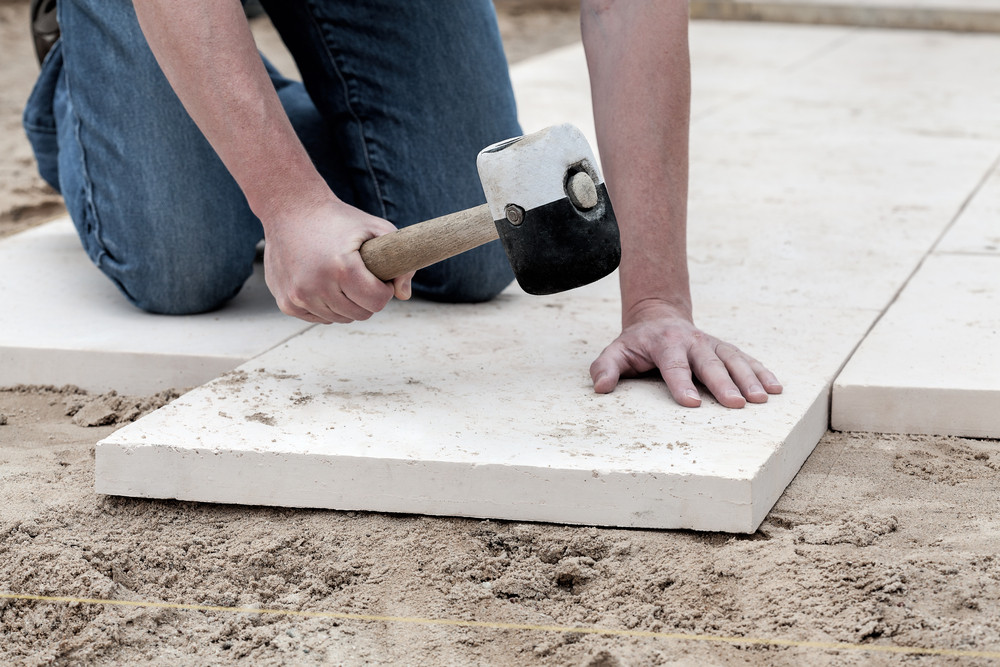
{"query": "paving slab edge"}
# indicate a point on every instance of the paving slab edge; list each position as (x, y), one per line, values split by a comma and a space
(908, 18)
(956, 412)
(662, 500)
(136, 374)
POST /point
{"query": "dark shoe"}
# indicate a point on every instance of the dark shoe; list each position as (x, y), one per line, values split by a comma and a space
(44, 26)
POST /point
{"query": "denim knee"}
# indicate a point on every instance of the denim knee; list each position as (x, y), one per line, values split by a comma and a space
(472, 277)
(172, 281)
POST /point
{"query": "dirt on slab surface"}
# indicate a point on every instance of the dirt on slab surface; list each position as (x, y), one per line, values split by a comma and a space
(880, 542)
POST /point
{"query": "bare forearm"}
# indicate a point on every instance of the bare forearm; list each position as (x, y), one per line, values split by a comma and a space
(311, 260)
(637, 52)
(207, 52)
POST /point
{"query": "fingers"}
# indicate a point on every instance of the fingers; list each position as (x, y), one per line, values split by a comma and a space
(304, 314)
(767, 378)
(733, 377)
(676, 372)
(343, 310)
(685, 355)
(343, 294)
(365, 294)
(717, 376)
(754, 381)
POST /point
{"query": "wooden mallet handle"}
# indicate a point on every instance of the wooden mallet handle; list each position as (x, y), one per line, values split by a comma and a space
(426, 243)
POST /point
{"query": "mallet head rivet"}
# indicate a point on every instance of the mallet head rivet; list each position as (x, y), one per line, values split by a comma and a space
(582, 191)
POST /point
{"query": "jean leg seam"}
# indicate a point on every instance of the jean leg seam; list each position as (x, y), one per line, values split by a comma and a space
(91, 220)
(357, 119)
(90, 211)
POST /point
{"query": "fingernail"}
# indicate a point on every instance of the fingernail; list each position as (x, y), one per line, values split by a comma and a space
(601, 385)
(756, 389)
(691, 393)
(735, 396)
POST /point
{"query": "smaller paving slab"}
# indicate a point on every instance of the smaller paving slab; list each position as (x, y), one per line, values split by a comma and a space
(932, 363)
(63, 322)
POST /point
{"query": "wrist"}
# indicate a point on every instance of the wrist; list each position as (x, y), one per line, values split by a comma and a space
(278, 201)
(655, 286)
(656, 308)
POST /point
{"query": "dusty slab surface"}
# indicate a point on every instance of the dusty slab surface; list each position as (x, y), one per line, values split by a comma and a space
(493, 415)
(482, 411)
(977, 229)
(63, 322)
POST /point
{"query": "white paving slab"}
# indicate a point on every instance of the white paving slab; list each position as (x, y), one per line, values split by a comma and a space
(932, 363)
(486, 411)
(803, 227)
(63, 322)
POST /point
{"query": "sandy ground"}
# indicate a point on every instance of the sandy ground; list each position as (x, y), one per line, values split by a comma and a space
(25, 199)
(880, 542)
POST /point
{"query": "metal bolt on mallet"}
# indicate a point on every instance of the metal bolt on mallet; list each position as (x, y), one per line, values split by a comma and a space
(514, 214)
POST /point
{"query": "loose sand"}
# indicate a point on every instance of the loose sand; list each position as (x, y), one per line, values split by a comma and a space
(879, 542)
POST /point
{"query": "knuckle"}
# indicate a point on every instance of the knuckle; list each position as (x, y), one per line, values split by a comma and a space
(287, 307)
(295, 297)
(722, 348)
(728, 352)
(700, 337)
(675, 365)
(348, 272)
(713, 364)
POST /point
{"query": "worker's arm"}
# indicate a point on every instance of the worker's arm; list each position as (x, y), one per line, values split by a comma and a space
(637, 52)
(311, 259)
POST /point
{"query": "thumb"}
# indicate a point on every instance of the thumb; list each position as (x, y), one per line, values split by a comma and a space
(402, 287)
(606, 370)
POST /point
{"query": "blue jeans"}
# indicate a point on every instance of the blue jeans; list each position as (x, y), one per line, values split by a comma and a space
(398, 97)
